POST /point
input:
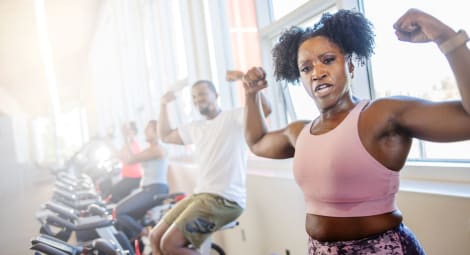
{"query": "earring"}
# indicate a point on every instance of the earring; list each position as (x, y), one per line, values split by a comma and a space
(352, 75)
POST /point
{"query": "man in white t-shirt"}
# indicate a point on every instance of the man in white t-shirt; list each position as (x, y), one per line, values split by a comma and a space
(221, 154)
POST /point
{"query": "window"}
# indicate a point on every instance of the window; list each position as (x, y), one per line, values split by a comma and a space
(281, 8)
(244, 40)
(421, 70)
(178, 39)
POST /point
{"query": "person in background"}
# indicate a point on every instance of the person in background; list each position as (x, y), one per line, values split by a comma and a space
(132, 209)
(221, 157)
(347, 160)
(131, 173)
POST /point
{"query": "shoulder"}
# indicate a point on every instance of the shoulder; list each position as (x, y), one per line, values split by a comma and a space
(386, 114)
(390, 105)
(394, 101)
(156, 151)
(192, 124)
(299, 124)
(294, 128)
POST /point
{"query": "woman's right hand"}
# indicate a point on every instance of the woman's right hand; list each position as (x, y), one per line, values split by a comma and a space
(254, 80)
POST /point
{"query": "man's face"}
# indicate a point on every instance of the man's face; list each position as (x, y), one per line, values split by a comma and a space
(204, 98)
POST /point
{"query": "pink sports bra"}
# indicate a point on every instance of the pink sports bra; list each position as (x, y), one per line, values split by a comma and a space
(338, 177)
(132, 170)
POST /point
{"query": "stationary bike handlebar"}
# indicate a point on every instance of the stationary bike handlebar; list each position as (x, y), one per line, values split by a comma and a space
(52, 246)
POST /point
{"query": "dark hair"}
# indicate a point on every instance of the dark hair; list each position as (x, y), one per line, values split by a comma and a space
(133, 126)
(347, 29)
(153, 123)
(210, 84)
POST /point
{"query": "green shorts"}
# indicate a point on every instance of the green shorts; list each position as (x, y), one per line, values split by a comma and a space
(199, 215)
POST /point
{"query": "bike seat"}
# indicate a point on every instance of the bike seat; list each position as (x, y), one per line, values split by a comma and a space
(230, 225)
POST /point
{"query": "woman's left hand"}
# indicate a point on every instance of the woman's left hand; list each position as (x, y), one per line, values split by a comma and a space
(419, 27)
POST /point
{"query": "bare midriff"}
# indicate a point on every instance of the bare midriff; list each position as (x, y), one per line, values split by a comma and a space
(324, 228)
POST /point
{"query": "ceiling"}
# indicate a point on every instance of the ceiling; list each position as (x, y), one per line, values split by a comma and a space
(71, 25)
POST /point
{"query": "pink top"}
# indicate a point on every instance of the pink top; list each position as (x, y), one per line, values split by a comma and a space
(132, 170)
(338, 177)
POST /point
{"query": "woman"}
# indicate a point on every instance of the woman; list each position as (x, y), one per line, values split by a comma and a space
(154, 182)
(347, 160)
(131, 172)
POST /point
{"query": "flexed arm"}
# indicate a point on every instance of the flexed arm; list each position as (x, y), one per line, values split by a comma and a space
(417, 26)
(166, 133)
(421, 118)
(276, 144)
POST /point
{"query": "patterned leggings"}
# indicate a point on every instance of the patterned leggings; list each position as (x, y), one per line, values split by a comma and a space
(397, 241)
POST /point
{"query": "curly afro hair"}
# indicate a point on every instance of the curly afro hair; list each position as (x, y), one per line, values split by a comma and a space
(347, 29)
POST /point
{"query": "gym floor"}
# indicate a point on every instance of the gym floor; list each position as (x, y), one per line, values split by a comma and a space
(22, 193)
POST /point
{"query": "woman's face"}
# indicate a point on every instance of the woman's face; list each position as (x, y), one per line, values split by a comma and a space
(150, 132)
(324, 71)
(127, 131)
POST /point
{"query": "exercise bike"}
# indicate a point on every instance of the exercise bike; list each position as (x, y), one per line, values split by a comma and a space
(207, 248)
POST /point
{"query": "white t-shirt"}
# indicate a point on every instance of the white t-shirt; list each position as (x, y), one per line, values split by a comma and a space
(220, 153)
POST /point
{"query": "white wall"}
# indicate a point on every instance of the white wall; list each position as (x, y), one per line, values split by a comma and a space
(440, 222)
(20, 120)
(274, 218)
